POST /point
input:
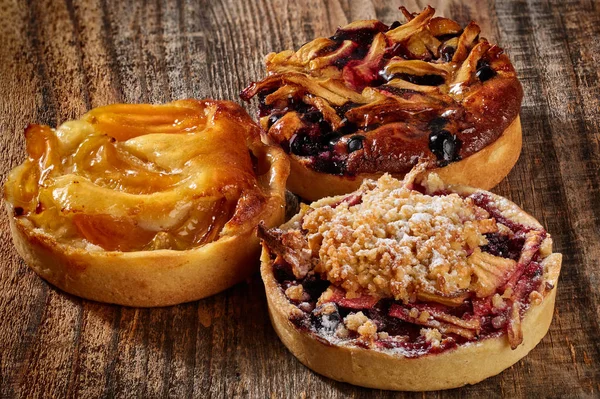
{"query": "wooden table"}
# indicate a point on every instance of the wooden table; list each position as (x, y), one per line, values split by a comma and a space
(60, 58)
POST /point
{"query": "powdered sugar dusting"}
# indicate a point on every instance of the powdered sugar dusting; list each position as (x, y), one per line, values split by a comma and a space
(398, 241)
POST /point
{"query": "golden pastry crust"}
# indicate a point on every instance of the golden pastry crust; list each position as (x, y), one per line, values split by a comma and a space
(146, 205)
(365, 347)
(374, 99)
(484, 169)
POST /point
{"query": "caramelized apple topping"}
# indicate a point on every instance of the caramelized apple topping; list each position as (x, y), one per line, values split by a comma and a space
(423, 89)
(140, 177)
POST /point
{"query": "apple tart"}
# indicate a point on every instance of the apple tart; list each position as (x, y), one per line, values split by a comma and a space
(410, 285)
(374, 98)
(146, 205)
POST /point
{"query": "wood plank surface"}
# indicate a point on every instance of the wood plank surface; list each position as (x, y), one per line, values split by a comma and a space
(60, 58)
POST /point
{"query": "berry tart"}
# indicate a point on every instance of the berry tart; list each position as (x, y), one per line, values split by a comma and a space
(410, 285)
(375, 98)
(146, 205)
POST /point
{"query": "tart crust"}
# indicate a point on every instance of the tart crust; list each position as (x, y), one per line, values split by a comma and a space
(465, 364)
(484, 169)
(162, 277)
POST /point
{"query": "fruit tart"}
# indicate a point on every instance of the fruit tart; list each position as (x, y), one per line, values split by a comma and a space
(410, 285)
(146, 205)
(375, 98)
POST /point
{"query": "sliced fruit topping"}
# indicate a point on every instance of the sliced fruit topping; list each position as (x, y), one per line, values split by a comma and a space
(291, 246)
(490, 272)
(446, 324)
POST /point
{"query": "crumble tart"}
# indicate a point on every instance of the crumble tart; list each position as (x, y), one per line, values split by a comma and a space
(146, 205)
(410, 286)
(374, 98)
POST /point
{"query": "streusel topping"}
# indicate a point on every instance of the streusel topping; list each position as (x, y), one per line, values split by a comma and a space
(398, 242)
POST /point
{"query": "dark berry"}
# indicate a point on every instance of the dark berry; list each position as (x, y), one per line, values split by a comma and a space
(19, 211)
(503, 246)
(302, 145)
(331, 166)
(484, 71)
(263, 108)
(313, 117)
(363, 36)
(445, 146)
(296, 104)
(394, 25)
(447, 52)
(342, 109)
(427, 80)
(314, 286)
(296, 143)
(355, 143)
(282, 271)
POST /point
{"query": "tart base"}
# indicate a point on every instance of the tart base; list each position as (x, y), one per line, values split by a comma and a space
(463, 365)
(484, 169)
(467, 364)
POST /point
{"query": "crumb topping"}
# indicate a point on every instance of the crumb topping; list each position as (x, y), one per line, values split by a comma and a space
(360, 323)
(432, 335)
(295, 292)
(397, 242)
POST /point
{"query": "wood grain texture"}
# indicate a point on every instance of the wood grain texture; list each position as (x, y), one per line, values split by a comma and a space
(60, 58)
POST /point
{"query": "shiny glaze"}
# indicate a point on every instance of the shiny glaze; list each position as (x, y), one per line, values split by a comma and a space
(140, 177)
(397, 131)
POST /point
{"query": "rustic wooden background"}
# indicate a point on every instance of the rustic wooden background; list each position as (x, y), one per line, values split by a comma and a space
(60, 58)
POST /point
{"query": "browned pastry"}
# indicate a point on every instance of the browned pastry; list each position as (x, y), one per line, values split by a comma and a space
(146, 205)
(375, 98)
(410, 286)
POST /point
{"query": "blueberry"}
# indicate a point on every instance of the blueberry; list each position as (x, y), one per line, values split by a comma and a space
(394, 25)
(313, 117)
(427, 80)
(484, 71)
(445, 146)
(301, 144)
(447, 52)
(263, 108)
(355, 143)
(503, 246)
(298, 143)
(296, 104)
(314, 286)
